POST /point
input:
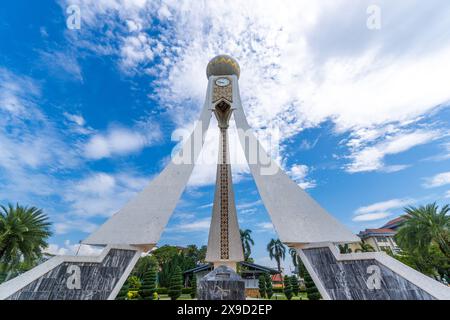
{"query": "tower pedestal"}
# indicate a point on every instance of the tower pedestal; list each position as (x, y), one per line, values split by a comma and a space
(223, 283)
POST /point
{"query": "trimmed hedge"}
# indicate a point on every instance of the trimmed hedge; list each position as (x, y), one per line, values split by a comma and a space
(162, 290)
(187, 290)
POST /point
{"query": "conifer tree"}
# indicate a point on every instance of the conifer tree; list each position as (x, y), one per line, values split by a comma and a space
(311, 289)
(269, 289)
(295, 285)
(262, 286)
(148, 286)
(122, 295)
(176, 283)
(194, 287)
(287, 287)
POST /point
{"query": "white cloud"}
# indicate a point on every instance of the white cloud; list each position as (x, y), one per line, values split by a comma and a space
(438, 180)
(74, 225)
(200, 225)
(380, 210)
(73, 249)
(32, 148)
(384, 206)
(120, 141)
(298, 173)
(293, 76)
(62, 64)
(447, 194)
(371, 158)
(249, 205)
(76, 118)
(371, 216)
(102, 194)
(265, 227)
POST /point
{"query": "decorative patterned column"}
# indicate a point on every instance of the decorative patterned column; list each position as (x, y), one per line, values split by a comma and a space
(224, 244)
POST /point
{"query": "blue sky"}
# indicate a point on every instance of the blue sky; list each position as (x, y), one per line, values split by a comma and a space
(87, 115)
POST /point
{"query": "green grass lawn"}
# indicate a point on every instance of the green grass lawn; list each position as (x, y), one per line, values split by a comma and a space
(182, 297)
(281, 296)
(276, 296)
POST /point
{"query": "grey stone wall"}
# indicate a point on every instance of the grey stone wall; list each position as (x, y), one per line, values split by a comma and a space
(354, 279)
(78, 280)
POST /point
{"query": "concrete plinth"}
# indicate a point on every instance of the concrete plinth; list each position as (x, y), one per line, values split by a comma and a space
(221, 284)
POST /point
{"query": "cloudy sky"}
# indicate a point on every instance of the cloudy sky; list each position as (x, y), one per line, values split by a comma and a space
(354, 93)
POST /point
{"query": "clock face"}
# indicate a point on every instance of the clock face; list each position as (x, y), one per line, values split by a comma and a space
(222, 82)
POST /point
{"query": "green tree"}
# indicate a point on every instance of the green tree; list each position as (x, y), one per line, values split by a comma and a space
(148, 286)
(134, 283)
(311, 289)
(277, 251)
(143, 265)
(262, 286)
(344, 248)
(269, 288)
(432, 263)
(193, 287)
(176, 283)
(365, 247)
(23, 235)
(247, 242)
(295, 285)
(287, 287)
(423, 226)
(123, 293)
(294, 256)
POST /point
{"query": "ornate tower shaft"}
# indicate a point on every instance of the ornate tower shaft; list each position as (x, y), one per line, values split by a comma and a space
(224, 245)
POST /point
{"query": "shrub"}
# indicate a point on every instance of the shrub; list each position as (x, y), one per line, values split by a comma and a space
(269, 289)
(262, 286)
(132, 295)
(311, 289)
(148, 286)
(287, 287)
(194, 288)
(122, 295)
(295, 285)
(162, 290)
(187, 290)
(176, 283)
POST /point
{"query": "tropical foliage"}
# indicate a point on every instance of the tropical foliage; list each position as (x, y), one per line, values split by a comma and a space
(365, 247)
(344, 248)
(277, 251)
(424, 240)
(23, 236)
(247, 243)
(425, 225)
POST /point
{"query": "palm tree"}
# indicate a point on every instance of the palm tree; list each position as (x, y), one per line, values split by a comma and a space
(425, 225)
(344, 248)
(247, 242)
(277, 251)
(365, 247)
(23, 234)
(294, 256)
